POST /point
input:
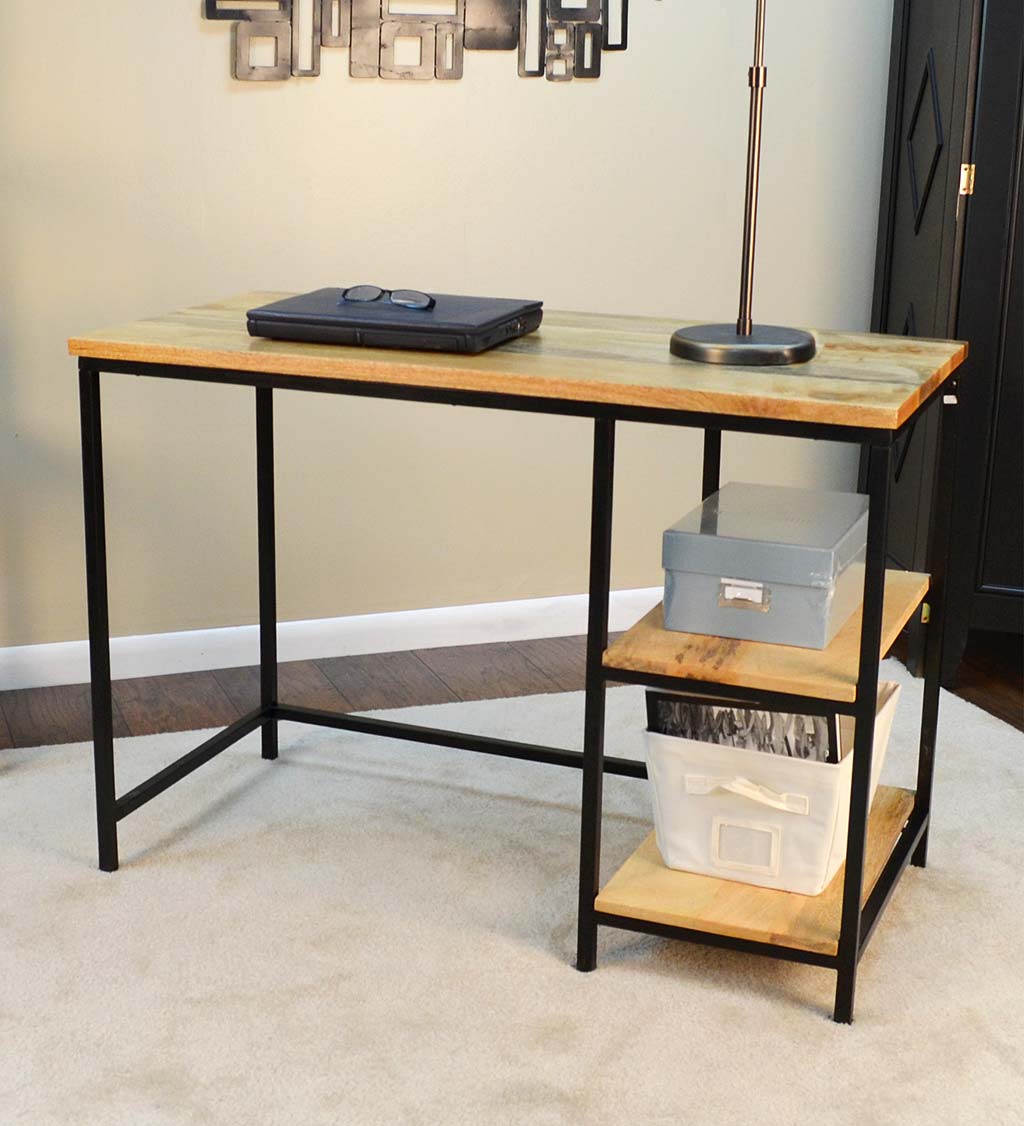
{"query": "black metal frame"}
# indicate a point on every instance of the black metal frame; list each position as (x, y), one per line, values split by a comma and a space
(857, 922)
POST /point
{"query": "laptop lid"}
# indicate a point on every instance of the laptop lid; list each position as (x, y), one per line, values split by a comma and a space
(451, 313)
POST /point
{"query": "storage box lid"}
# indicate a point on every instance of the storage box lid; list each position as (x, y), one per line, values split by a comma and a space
(769, 533)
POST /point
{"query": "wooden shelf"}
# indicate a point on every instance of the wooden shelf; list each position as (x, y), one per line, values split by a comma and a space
(830, 673)
(643, 888)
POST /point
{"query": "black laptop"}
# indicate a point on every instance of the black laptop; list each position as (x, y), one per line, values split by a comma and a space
(402, 318)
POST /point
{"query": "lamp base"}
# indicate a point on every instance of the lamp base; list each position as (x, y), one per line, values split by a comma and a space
(722, 344)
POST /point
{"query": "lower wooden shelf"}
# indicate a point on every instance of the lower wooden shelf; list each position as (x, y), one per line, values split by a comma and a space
(643, 888)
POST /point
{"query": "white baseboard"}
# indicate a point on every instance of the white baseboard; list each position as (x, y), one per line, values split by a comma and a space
(36, 666)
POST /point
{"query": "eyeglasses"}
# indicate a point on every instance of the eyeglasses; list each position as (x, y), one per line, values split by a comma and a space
(407, 298)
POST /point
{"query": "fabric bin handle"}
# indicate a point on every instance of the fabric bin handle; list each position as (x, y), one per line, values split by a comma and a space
(698, 784)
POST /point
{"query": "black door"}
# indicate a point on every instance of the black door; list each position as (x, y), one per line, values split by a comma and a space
(949, 265)
(932, 73)
(986, 571)
(934, 52)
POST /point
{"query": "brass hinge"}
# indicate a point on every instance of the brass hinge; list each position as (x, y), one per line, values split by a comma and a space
(926, 613)
(967, 179)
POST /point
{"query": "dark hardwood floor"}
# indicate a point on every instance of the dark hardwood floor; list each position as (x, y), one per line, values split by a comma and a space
(186, 701)
(5, 734)
(42, 716)
(992, 676)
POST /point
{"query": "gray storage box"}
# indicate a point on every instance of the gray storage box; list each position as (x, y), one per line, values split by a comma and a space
(767, 563)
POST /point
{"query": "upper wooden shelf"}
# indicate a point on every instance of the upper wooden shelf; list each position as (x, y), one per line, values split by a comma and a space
(857, 379)
(830, 673)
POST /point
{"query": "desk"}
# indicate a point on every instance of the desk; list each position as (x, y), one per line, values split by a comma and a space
(860, 388)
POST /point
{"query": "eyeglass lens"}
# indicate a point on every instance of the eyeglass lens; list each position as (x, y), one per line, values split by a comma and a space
(362, 293)
(411, 299)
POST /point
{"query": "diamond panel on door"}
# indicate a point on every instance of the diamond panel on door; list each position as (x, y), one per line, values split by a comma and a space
(924, 140)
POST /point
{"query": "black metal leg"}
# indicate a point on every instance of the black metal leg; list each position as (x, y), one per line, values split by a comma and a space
(711, 478)
(879, 459)
(593, 728)
(942, 518)
(267, 562)
(99, 624)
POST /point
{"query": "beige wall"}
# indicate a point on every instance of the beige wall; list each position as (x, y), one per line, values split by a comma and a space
(137, 176)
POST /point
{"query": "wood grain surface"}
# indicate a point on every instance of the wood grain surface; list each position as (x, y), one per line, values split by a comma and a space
(830, 673)
(643, 888)
(857, 379)
(385, 680)
(63, 714)
(299, 683)
(562, 659)
(177, 702)
(486, 672)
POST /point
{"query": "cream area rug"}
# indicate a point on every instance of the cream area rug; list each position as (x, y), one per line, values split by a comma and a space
(376, 932)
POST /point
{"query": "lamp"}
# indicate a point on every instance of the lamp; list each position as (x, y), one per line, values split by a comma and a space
(747, 343)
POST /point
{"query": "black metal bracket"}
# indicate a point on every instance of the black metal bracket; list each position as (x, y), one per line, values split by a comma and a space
(182, 767)
(903, 447)
(487, 400)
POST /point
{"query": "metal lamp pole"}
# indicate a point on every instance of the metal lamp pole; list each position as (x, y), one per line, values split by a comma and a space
(747, 343)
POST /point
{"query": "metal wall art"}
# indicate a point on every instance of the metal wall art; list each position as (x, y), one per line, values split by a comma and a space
(559, 39)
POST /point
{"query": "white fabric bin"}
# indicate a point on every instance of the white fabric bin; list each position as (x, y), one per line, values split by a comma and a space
(754, 817)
